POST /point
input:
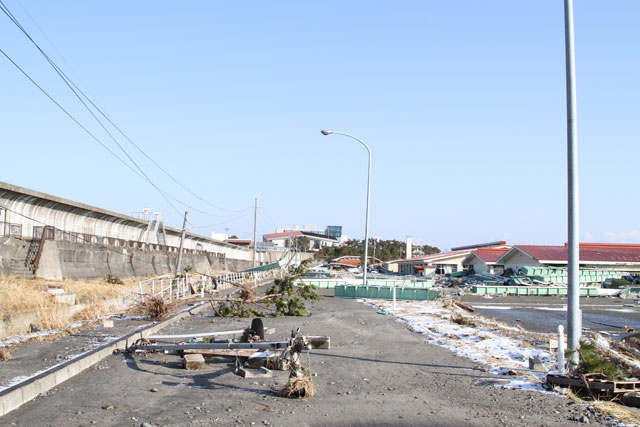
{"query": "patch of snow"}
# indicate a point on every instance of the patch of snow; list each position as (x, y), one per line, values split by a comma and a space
(501, 352)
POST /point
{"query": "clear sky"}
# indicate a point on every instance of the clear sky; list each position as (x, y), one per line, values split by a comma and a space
(462, 104)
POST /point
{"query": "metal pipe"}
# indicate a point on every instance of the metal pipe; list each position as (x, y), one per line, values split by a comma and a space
(561, 349)
(574, 318)
(214, 346)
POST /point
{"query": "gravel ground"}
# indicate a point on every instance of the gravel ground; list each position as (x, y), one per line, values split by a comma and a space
(30, 358)
(377, 372)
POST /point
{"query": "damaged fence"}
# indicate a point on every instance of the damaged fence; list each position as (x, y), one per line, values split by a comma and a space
(168, 287)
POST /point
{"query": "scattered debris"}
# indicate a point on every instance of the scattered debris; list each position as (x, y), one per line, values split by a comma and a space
(464, 306)
(262, 356)
(595, 384)
(5, 355)
(298, 386)
(155, 308)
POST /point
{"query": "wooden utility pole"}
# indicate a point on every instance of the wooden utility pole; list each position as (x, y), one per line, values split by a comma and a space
(255, 224)
(184, 226)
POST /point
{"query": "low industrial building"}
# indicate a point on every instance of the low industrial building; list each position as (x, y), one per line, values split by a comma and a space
(445, 262)
(602, 256)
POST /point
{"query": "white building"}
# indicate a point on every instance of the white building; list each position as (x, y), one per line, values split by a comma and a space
(289, 239)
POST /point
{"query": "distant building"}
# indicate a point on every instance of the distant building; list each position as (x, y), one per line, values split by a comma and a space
(330, 230)
(485, 260)
(221, 237)
(444, 262)
(348, 261)
(334, 231)
(609, 256)
(289, 239)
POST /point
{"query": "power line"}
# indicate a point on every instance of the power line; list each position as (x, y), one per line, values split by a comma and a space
(75, 89)
(230, 220)
(66, 79)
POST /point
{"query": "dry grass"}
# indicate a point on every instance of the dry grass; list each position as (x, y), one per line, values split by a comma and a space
(611, 409)
(153, 307)
(5, 355)
(298, 387)
(20, 296)
(91, 312)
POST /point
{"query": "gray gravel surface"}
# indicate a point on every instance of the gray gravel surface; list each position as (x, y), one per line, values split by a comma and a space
(377, 372)
(30, 358)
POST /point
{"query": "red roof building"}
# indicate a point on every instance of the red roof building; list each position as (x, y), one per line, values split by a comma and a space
(447, 262)
(592, 255)
(484, 260)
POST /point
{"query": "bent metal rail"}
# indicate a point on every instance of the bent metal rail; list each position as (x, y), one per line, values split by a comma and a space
(169, 287)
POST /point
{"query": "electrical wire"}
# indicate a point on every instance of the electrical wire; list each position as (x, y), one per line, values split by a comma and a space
(64, 77)
(76, 90)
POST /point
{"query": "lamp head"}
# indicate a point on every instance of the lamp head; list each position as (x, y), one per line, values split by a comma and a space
(326, 132)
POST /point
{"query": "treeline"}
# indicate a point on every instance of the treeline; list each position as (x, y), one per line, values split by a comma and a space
(385, 250)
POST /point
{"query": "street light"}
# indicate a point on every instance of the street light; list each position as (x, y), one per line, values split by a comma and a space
(366, 222)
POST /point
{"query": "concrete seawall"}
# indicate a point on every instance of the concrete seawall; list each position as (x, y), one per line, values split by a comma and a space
(63, 260)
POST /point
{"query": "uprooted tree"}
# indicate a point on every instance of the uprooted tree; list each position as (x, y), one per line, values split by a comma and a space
(285, 295)
(290, 299)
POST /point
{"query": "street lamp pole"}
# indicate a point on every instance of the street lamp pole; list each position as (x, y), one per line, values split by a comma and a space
(574, 315)
(366, 222)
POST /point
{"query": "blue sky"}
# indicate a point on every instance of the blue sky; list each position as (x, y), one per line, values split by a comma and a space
(462, 104)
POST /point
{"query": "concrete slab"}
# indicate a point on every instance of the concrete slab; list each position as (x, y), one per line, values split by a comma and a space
(11, 401)
(255, 373)
(193, 361)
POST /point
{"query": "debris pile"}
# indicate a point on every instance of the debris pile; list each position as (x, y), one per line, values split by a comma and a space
(254, 357)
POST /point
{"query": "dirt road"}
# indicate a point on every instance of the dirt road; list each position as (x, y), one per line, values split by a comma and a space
(377, 372)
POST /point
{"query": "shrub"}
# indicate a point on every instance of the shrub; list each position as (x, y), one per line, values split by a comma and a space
(113, 280)
(591, 362)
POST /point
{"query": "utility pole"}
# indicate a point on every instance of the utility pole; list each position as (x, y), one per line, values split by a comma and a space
(184, 226)
(574, 316)
(255, 226)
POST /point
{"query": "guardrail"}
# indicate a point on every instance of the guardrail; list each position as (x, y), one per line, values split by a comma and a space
(169, 287)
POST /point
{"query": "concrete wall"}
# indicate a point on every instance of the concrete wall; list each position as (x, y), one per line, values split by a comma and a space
(31, 209)
(8, 249)
(64, 260)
